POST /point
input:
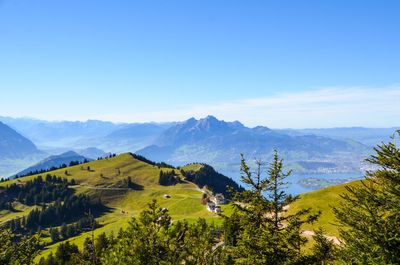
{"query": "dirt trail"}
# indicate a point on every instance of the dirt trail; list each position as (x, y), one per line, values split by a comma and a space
(103, 188)
(310, 233)
(331, 238)
(197, 187)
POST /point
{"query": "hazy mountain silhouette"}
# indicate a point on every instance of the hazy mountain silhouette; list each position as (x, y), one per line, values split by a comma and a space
(13, 145)
(218, 142)
(54, 161)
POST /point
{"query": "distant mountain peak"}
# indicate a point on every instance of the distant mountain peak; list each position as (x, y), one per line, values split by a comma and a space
(191, 120)
(92, 153)
(209, 122)
(204, 128)
(14, 145)
(261, 129)
(210, 118)
(212, 123)
(64, 155)
(68, 153)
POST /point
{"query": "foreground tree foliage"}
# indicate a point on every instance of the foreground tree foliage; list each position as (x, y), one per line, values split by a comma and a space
(324, 251)
(260, 231)
(15, 253)
(153, 239)
(371, 212)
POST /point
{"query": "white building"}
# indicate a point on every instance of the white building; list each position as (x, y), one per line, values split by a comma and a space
(211, 206)
(218, 199)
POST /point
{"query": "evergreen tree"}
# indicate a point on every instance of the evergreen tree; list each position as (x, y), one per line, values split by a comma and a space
(14, 252)
(11, 225)
(202, 245)
(63, 231)
(152, 239)
(88, 250)
(265, 232)
(167, 178)
(370, 214)
(324, 250)
(101, 244)
(65, 251)
(54, 234)
(71, 231)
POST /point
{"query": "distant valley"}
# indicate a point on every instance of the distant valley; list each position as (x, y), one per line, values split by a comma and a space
(207, 140)
(220, 143)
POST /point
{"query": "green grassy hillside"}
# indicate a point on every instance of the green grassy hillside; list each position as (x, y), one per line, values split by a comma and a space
(104, 179)
(322, 200)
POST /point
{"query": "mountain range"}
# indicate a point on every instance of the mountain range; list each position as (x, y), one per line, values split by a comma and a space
(207, 140)
(220, 143)
(58, 136)
(367, 136)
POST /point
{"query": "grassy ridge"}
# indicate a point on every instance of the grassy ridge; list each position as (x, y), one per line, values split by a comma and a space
(322, 200)
(104, 179)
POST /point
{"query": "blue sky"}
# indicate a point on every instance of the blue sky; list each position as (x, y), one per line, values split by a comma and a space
(275, 63)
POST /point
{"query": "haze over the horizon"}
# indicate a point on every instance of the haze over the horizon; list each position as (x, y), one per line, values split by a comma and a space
(278, 63)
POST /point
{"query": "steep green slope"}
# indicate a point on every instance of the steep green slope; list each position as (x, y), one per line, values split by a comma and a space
(322, 200)
(105, 179)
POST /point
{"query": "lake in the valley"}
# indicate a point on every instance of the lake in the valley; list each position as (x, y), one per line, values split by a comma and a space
(301, 183)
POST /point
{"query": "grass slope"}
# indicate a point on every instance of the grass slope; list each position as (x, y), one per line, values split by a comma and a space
(322, 200)
(105, 177)
(104, 180)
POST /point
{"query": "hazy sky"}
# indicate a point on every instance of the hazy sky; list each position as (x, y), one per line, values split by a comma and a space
(274, 63)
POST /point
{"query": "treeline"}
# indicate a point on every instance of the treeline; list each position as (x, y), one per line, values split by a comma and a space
(39, 191)
(157, 164)
(58, 205)
(69, 209)
(6, 205)
(105, 157)
(84, 224)
(168, 178)
(41, 171)
(70, 164)
(216, 182)
(91, 253)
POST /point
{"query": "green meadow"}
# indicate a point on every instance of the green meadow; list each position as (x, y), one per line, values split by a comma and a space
(103, 178)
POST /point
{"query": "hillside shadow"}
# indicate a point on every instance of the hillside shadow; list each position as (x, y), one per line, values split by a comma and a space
(101, 210)
(135, 186)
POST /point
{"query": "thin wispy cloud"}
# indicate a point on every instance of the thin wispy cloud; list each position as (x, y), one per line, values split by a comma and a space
(329, 107)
